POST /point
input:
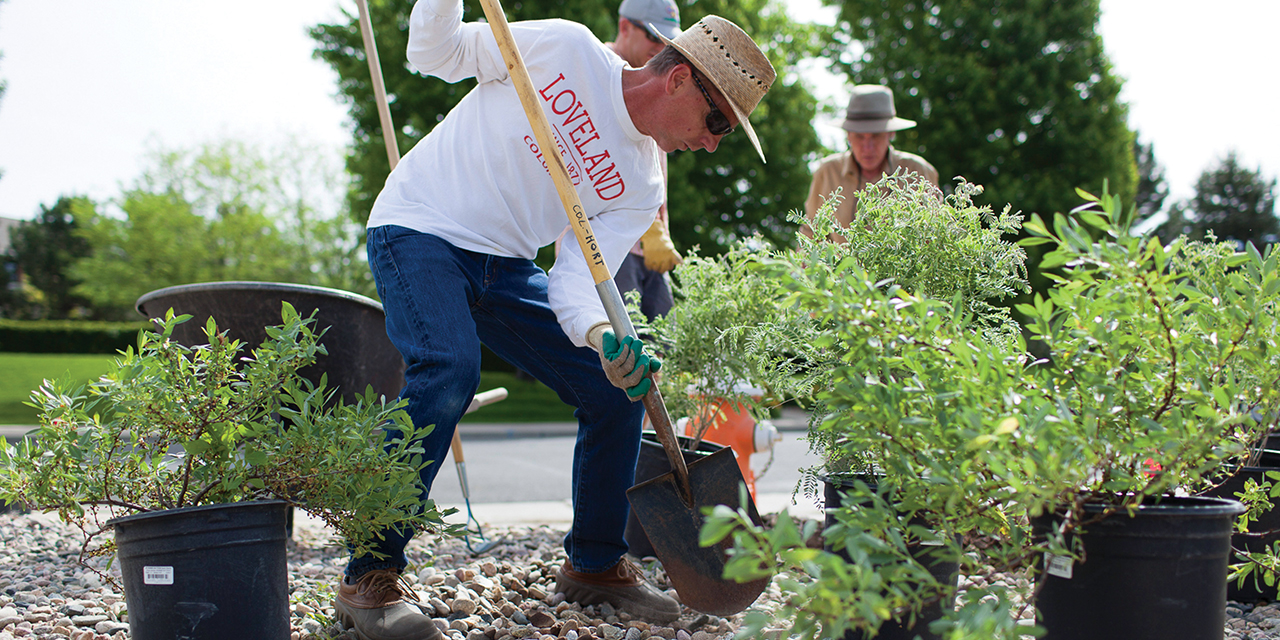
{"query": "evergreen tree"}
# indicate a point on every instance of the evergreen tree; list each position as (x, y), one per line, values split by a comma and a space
(1017, 96)
(43, 251)
(1231, 201)
(712, 198)
(1152, 189)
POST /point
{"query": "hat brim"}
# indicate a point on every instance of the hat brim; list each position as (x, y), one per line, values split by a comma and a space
(737, 111)
(883, 125)
(662, 30)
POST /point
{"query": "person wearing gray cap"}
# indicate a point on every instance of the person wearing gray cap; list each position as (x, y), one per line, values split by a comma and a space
(870, 121)
(640, 23)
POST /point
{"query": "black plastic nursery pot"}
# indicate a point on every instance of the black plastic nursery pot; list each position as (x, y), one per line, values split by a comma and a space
(1157, 575)
(206, 573)
(652, 463)
(1268, 521)
(943, 570)
(1272, 443)
(360, 354)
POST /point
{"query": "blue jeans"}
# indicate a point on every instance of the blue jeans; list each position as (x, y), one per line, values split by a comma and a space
(441, 303)
(655, 293)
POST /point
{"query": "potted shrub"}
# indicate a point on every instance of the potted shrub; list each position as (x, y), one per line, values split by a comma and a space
(1165, 358)
(949, 259)
(1143, 396)
(192, 455)
(1250, 476)
(705, 366)
(907, 233)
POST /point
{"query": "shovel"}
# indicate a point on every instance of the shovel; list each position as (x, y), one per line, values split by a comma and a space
(670, 506)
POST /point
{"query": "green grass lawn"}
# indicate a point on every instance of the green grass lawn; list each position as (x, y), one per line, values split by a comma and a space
(21, 373)
(527, 401)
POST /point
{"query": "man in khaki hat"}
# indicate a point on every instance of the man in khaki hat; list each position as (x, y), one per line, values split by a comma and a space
(870, 121)
(451, 242)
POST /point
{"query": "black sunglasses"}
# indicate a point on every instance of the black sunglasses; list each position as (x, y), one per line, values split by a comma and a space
(639, 25)
(717, 123)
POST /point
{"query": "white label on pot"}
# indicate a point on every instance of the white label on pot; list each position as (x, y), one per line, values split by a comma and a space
(1057, 565)
(157, 575)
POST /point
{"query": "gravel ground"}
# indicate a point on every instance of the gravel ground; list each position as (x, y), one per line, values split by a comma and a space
(46, 594)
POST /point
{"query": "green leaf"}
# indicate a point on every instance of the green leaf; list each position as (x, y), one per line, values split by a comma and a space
(196, 447)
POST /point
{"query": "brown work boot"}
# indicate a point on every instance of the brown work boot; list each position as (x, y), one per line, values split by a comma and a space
(621, 586)
(375, 607)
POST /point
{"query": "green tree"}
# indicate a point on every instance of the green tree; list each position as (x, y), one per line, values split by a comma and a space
(9, 296)
(1152, 189)
(223, 211)
(3, 85)
(160, 242)
(1232, 202)
(713, 199)
(1017, 96)
(297, 186)
(43, 249)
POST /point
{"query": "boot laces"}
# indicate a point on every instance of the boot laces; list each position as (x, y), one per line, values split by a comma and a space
(628, 569)
(379, 582)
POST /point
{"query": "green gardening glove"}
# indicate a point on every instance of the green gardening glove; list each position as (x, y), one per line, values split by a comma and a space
(627, 365)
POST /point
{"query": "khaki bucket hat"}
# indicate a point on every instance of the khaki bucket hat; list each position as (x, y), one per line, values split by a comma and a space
(871, 111)
(730, 59)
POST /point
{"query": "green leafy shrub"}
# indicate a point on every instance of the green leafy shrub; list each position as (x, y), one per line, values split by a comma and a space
(941, 247)
(173, 427)
(1162, 366)
(733, 323)
(705, 349)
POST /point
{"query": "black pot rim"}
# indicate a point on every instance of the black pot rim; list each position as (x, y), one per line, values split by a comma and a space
(847, 480)
(1179, 505)
(255, 285)
(146, 515)
(651, 437)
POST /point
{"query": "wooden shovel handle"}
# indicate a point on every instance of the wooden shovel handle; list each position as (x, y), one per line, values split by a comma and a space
(605, 286)
(379, 89)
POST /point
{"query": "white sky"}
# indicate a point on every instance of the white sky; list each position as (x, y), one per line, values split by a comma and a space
(93, 84)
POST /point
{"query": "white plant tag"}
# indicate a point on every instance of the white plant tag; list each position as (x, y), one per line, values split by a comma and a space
(1058, 565)
(157, 575)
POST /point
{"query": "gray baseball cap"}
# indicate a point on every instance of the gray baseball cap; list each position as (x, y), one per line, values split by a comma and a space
(660, 16)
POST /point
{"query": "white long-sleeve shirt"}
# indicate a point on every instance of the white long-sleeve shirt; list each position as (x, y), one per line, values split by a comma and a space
(478, 179)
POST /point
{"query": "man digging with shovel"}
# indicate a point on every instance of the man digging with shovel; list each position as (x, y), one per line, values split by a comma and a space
(451, 240)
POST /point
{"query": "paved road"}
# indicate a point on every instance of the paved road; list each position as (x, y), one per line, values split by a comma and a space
(520, 473)
(537, 467)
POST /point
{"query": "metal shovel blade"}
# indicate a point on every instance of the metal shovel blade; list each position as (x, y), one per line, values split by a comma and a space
(673, 527)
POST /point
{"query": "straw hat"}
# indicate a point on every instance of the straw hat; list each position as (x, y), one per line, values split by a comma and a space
(871, 111)
(730, 59)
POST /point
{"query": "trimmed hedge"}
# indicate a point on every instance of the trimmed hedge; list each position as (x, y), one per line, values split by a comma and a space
(83, 336)
(68, 336)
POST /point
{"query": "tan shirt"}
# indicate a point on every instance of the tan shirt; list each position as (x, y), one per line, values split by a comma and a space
(840, 170)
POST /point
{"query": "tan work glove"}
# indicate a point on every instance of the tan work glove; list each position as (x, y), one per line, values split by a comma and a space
(625, 362)
(659, 254)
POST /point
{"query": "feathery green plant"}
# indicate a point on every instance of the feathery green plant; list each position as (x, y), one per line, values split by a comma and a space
(172, 426)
